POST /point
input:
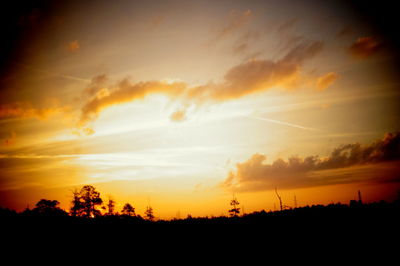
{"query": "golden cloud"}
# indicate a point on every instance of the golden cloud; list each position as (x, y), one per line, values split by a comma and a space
(244, 79)
(326, 80)
(126, 92)
(25, 110)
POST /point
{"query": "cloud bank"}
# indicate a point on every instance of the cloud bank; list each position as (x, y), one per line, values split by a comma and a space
(338, 168)
(241, 80)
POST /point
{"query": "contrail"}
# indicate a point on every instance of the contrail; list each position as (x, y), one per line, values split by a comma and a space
(51, 73)
(283, 123)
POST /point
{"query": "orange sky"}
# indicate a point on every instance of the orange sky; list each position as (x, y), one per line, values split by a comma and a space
(180, 104)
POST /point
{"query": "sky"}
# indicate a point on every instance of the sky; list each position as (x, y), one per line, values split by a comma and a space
(182, 104)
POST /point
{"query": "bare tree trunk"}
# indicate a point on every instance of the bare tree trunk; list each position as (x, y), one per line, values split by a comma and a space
(280, 199)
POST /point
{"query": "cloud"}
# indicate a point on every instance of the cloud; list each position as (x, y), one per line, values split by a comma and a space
(124, 92)
(23, 171)
(50, 73)
(25, 110)
(73, 46)
(96, 84)
(287, 25)
(85, 131)
(10, 139)
(240, 48)
(236, 21)
(242, 45)
(326, 80)
(260, 75)
(302, 51)
(241, 80)
(178, 116)
(338, 168)
(282, 123)
(365, 47)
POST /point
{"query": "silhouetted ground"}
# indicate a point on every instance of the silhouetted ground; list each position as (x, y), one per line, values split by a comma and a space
(335, 231)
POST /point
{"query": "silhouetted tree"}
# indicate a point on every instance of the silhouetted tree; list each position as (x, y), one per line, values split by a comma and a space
(77, 206)
(279, 198)
(48, 207)
(110, 206)
(234, 212)
(149, 213)
(90, 199)
(128, 210)
(85, 201)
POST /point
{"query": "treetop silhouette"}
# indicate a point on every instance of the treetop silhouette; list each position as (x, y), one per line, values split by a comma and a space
(85, 201)
(128, 210)
(234, 212)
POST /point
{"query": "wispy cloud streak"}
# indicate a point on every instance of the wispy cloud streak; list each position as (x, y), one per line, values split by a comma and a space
(282, 123)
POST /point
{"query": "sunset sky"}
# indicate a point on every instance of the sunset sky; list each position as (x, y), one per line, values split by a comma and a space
(180, 104)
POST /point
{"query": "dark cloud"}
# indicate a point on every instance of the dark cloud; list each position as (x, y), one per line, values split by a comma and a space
(338, 168)
(365, 47)
(382, 20)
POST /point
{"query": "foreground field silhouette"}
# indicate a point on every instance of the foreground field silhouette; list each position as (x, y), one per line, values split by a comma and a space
(337, 229)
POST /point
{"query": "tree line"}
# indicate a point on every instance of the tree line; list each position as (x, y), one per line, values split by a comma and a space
(87, 203)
